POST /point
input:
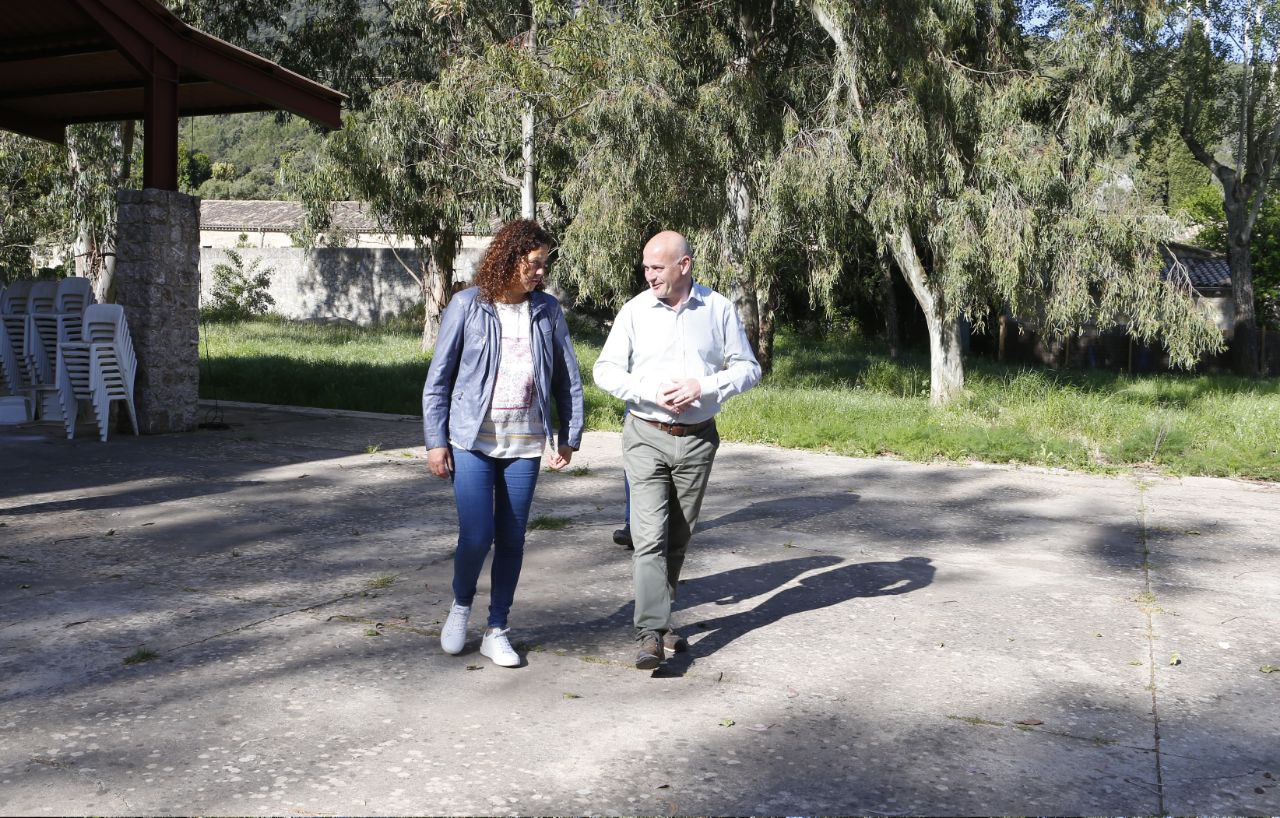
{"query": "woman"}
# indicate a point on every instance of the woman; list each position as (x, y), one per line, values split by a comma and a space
(502, 355)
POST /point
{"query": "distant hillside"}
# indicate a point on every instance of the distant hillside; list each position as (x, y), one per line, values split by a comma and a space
(246, 153)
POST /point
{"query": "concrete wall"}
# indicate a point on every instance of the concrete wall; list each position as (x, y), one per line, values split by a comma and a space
(359, 284)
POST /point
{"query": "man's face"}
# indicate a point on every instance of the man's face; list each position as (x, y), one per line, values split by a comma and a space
(533, 269)
(667, 273)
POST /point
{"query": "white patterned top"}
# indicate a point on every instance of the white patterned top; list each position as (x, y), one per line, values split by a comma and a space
(513, 427)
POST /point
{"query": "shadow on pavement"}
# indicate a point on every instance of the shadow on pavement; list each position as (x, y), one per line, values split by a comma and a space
(820, 590)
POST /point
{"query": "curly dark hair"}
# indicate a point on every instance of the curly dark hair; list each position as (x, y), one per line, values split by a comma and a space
(501, 263)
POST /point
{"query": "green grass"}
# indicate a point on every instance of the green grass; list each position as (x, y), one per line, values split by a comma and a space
(548, 522)
(382, 581)
(837, 394)
(139, 656)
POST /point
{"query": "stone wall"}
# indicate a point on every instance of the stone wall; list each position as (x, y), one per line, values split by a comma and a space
(157, 281)
(362, 284)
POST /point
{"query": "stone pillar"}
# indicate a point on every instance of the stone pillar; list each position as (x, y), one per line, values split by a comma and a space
(158, 284)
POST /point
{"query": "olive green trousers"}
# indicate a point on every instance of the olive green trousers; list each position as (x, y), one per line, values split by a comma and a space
(668, 477)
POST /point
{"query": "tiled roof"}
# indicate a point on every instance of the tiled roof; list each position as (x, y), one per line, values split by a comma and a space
(1206, 269)
(284, 217)
(254, 215)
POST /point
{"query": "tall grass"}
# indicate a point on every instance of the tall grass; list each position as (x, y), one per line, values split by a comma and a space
(835, 394)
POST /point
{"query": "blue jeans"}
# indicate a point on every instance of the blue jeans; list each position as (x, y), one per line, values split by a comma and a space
(493, 495)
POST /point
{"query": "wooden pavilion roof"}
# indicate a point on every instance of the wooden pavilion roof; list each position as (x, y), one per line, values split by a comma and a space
(69, 61)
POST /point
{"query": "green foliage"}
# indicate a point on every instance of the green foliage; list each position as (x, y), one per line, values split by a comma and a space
(995, 156)
(239, 291)
(194, 167)
(1205, 210)
(1169, 176)
(30, 172)
(241, 156)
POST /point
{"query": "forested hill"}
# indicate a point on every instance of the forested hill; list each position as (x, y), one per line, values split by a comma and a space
(243, 156)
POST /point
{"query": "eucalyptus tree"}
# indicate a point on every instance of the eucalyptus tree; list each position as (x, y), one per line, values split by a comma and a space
(683, 113)
(982, 168)
(57, 198)
(1215, 62)
(457, 136)
(28, 222)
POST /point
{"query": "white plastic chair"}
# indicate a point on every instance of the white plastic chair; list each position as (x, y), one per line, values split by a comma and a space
(74, 294)
(13, 332)
(100, 368)
(40, 338)
(52, 320)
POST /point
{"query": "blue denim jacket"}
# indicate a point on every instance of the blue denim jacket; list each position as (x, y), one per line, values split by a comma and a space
(459, 387)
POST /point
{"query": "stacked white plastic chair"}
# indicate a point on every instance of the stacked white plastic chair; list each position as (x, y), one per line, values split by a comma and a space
(100, 368)
(13, 331)
(74, 295)
(42, 304)
(55, 314)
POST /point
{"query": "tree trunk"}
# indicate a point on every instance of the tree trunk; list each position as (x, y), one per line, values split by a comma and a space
(104, 288)
(437, 286)
(767, 306)
(737, 224)
(946, 366)
(1244, 338)
(889, 305)
(528, 121)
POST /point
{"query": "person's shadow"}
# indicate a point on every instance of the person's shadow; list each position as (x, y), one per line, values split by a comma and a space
(822, 590)
(733, 585)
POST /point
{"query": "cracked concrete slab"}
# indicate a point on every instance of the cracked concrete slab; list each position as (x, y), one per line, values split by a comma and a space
(867, 636)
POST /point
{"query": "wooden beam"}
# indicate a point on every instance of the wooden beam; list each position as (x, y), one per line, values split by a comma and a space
(42, 129)
(160, 127)
(83, 88)
(55, 52)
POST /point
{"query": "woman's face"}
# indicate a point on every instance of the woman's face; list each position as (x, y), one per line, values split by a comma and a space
(533, 269)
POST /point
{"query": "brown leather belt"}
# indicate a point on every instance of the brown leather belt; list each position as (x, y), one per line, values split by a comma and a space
(678, 429)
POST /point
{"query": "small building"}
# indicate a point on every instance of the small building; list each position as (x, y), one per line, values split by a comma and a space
(276, 224)
(1209, 275)
(358, 275)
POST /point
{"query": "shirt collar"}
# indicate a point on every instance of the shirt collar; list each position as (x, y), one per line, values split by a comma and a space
(695, 294)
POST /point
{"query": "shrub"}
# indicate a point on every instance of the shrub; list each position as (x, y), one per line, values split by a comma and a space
(239, 292)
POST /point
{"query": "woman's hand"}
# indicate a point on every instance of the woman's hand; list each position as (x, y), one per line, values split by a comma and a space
(560, 458)
(440, 461)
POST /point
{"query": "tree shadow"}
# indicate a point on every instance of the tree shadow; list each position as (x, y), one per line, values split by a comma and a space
(784, 510)
(130, 496)
(821, 590)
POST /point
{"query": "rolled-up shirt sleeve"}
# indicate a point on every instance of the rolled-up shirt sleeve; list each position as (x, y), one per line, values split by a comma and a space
(741, 370)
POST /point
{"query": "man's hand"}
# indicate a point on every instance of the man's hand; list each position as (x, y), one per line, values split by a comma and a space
(560, 457)
(440, 461)
(676, 396)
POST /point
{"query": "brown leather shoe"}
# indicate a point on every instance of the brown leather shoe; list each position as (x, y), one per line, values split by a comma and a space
(649, 652)
(674, 642)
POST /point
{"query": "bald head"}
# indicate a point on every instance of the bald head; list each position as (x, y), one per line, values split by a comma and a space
(670, 244)
(668, 267)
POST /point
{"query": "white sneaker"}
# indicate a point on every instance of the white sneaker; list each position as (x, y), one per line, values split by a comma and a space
(497, 647)
(453, 636)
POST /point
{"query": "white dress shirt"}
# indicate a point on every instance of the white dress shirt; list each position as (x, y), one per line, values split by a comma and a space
(652, 344)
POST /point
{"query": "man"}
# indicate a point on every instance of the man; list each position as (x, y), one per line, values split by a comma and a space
(675, 353)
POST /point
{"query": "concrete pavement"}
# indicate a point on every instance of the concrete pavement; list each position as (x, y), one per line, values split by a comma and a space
(868, 636)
